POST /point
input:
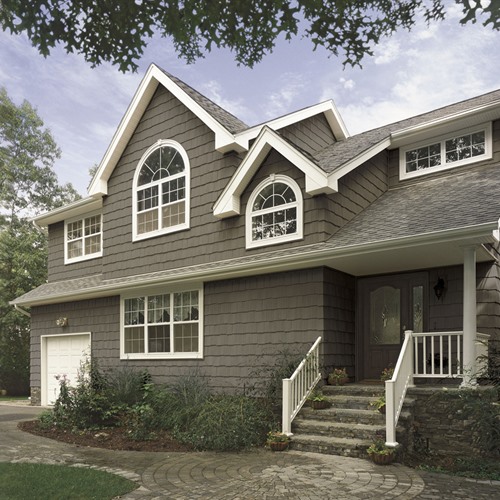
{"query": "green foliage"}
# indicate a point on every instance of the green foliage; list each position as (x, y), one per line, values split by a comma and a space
(227, 423)
(380, 448)
(249, 29)
(269, 383)
(187, 409)
(27, 185)
(474, 467)
(88, 404)
(21, 481)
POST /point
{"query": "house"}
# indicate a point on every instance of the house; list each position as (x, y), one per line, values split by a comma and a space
(205, 243)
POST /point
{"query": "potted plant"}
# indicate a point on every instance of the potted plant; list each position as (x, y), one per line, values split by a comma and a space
(381, 454)
(379, 404)
(338, 377)
(277, 441)
(318, 400)
(386, 374)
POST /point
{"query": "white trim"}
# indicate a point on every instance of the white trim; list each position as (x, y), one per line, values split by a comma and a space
(187, 200)
(224, 140)
(328, 108)
(73, 210)
(488, 153)
(298, 204)
(157, 290)
(82, 257)
(43, 360)
(309, 255)
(317, 180)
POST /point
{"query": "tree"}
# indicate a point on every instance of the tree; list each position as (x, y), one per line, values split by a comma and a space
(27, 185)
(117, 30)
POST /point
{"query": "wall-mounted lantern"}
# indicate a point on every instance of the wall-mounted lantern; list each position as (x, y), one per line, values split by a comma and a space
(439, 288)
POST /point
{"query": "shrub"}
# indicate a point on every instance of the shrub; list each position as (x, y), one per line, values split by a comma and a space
(126, 386)
(228, 423)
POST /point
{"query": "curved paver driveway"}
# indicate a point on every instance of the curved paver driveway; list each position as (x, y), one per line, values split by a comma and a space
(256, 475)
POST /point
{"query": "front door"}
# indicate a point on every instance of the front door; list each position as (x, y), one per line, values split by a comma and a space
(388, 306)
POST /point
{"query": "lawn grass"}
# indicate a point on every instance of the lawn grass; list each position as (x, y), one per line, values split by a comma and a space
(58, 482)
(13, 398)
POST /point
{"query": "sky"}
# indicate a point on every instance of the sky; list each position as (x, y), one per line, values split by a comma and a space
(409, 73)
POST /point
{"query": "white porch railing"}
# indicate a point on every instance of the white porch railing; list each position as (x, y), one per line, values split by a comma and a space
(438, 354)
(430, 355)
(395, 389)
(299, 386)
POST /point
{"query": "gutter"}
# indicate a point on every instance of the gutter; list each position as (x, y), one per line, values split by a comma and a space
(22, 311)
(305, 256)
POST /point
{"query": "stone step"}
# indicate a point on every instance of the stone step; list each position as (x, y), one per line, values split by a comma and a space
(339, 429)
(334, 414)
(352, 402)
(330, 445)
(354, 389)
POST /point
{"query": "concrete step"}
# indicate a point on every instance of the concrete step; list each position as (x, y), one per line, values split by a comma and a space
(330, 445)
(352, 402)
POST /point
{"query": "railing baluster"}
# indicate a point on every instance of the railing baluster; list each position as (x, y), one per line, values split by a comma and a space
(299, 385)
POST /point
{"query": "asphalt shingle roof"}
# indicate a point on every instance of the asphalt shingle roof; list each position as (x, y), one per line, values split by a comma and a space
(226, 119)
(333, 157)
(449, 202)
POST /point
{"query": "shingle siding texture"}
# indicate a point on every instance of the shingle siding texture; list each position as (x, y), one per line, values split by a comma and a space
(247, 323)
(311, 135)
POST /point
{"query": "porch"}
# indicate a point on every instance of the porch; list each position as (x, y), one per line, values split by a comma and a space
(431, 356)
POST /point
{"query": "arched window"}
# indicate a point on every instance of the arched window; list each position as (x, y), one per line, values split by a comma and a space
(161, 191)
(274, 212)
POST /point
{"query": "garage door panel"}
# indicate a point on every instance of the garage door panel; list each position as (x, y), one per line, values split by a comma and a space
(64, 356)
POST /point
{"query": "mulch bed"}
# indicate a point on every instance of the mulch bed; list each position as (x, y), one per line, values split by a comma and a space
(112, 438)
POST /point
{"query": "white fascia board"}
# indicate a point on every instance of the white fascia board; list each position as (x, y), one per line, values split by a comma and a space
(75, 209)
(124, 132)
(357, 161)
(317, 181)
(471, 117)
(224, 140)
(329, 109)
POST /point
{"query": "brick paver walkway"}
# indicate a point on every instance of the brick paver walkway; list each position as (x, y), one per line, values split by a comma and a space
(258, 474)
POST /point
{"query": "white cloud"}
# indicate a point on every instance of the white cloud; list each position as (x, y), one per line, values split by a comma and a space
(387, 51)
(290, 85)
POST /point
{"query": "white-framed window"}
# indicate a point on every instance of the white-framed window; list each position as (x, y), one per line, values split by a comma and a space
(162, 324)
(274, 212)
(83, 238)
(450, 151)
(161, 198)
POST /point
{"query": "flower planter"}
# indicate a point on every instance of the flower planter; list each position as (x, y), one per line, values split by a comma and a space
(381, 459)
(319, 405)
(278, 445)
(337, 381)
(382, 410)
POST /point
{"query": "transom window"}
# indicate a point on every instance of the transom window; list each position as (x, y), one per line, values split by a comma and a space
(161, 194)
(274, 212)
(446, 152)
(162, 325)
(83, 238)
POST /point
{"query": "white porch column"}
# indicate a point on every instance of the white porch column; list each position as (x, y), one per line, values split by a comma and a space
(470, 318)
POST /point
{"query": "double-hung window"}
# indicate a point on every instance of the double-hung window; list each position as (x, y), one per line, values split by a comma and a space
(162, 325)
(161, 191)
(274, 212)
(83, 238)
(453, 150)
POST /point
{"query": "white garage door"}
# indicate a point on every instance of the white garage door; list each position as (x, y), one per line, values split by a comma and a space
(64, 355)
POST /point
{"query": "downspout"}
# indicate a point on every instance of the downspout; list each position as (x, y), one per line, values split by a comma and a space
(22, 311)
